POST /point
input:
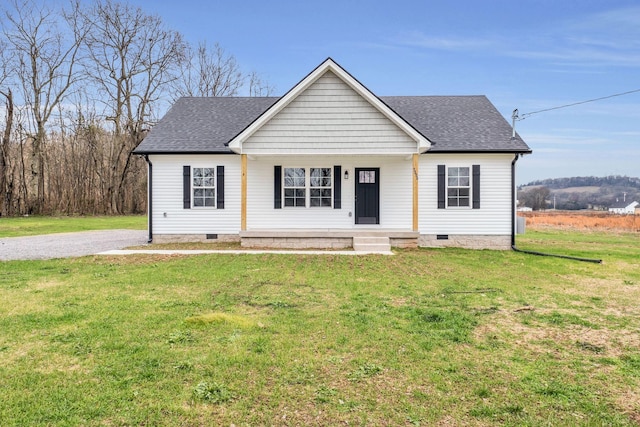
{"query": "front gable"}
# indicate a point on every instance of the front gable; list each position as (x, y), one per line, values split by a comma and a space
(329, 112)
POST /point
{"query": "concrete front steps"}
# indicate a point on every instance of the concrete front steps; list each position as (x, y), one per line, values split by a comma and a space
(371, 244)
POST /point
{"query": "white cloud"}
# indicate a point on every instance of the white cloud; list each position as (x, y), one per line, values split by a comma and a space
(620, 21)
(609, 38)
(628, 133)
(451, 43)
(606, 38)
(558, 140)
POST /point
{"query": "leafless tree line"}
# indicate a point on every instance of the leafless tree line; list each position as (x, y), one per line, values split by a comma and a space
(81, 85)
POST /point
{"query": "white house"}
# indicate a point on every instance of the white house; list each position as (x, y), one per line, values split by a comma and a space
(624, 208)
(329, 162)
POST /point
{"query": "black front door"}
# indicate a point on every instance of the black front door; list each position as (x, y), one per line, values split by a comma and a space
(367, 195)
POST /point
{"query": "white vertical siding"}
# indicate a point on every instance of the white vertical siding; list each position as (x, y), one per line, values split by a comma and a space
(329, 117)
(167, 196)
(494, 215)
(395, 194)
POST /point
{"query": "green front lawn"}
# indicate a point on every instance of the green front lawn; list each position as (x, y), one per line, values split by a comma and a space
(34, 225)
(425, 337)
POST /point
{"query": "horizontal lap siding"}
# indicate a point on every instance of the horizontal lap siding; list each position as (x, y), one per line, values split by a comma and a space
(329, 117)
(395, 194)
(167, 196)
(494, 215)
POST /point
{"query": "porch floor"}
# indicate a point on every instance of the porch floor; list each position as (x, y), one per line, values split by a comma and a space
(329, 233)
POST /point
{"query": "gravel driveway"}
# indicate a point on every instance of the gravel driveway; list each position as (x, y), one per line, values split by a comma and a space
(64, 245)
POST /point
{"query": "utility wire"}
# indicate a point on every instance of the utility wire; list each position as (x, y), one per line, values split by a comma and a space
(525, 115)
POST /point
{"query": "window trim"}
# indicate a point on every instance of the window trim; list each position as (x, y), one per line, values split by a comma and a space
(320, 188)
(214, 170)
(308, 187)
(295, 188)
(468, 187)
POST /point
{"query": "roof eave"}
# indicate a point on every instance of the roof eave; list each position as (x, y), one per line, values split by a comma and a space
(167, 152)
(481, 151)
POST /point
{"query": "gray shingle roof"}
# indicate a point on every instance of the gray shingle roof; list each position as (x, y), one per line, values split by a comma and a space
(457, 123)
(451, 123)
(203, 125)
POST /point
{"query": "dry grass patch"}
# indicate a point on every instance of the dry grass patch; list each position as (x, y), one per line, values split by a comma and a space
(48, 284)
(212, 318)
(629, 403)
(530, 331)
(62, 363)
(582, 220)
(192, 246)
(615, 291)
(15, 353)
(23, 302)
(137, 259)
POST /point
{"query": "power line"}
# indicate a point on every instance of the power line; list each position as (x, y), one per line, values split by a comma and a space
(525, 115)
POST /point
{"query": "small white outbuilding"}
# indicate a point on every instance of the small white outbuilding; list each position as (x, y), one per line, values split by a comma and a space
(623, 208)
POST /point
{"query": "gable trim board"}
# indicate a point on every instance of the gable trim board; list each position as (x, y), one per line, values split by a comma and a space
(329, 125)
(325, 70)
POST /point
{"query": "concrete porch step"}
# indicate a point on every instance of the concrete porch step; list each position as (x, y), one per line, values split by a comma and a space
(371, 244)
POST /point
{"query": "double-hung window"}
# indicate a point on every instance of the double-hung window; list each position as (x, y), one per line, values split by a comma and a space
(295, 190)
(316, 191)
(203, 185)
(320, 187)
(458, 187)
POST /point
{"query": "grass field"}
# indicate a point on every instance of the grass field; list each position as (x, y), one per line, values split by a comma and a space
(34, 225)
(582, 220)
(425, 337)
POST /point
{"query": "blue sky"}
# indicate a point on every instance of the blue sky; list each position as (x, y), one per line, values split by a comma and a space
(530, 55)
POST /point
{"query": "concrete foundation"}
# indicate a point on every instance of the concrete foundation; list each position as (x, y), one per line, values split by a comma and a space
(465, 241)
(339, 239)
(190, 238)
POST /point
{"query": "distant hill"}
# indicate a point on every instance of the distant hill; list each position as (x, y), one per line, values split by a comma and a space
(584, 192)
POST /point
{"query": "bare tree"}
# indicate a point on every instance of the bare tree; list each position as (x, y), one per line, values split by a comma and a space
(5, 180)
(45, 62)
(215, 72)
(133, 59)
(79, 89)
(534, 197)
(209, 72)
(7, 93)
(258, 86)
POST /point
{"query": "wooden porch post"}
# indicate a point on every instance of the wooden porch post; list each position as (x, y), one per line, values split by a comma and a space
(243, 193)
(415, 191)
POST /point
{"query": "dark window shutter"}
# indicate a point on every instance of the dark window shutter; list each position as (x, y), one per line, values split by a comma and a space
(186, 187)
(220, 187)
(337, 187)
(442, 202)
(476, 186)
(277, 187)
